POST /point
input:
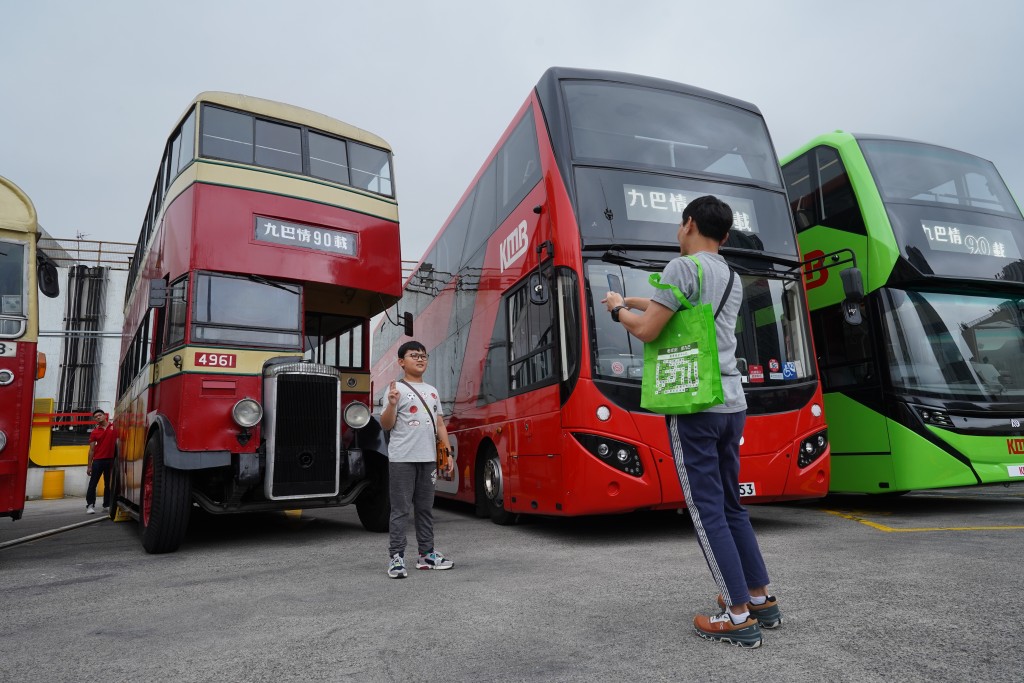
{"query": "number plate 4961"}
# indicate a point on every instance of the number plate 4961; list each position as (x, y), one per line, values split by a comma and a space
(216, 360)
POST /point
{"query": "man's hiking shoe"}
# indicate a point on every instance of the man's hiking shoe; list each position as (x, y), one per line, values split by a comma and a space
(721, 629)
(396, 569)
(433, 560)
(768, 615)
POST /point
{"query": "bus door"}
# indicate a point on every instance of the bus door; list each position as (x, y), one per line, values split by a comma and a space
(535, 460)
(853, 396)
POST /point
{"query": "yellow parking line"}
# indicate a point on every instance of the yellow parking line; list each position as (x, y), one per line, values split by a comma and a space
(883, 527)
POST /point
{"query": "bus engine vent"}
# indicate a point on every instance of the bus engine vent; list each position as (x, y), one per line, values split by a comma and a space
(302, 432)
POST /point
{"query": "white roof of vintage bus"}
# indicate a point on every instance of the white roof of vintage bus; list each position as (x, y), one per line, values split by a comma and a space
(16, 210)
(288, 112)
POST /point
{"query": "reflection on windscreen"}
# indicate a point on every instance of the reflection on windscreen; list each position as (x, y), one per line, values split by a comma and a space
(955, 346)
(914, 171)
(771, 329)
(246, 311)
(617, 122)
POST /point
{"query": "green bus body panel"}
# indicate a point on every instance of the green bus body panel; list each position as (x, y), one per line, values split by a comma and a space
(853, 427)
(878, 252)
(923, 465)
(989, 454)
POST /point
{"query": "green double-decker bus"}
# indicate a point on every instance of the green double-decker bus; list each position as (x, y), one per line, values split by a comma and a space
(924, 377)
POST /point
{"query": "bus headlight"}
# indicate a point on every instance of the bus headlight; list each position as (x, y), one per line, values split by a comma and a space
(247, 413)
(812, 448)
(6, 377)
(3, 445)
(357, 415)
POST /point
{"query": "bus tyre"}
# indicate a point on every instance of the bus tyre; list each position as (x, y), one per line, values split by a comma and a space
(490, 489)
(114, 485)
(166, 502)
(374, 503)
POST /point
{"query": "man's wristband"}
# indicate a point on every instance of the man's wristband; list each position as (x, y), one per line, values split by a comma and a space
(615, 312)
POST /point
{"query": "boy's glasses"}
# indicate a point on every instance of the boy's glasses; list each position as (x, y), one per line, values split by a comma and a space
(417, 356)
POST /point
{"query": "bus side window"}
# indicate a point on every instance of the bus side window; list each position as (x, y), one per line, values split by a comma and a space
(802, 187)
(838, 201)
(845, 354)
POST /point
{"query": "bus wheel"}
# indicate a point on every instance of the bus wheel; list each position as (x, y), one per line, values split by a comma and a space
(166, 502)
(490, 490)
(114, 484)
(374, 503)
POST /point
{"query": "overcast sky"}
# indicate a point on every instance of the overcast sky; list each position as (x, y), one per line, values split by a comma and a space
(91, 90)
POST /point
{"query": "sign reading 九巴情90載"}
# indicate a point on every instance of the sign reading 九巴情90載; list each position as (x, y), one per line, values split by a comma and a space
(326, 240)
(665, 205)
(970, 239)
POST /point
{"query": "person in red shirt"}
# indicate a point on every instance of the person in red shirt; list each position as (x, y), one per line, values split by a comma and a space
(102, 445)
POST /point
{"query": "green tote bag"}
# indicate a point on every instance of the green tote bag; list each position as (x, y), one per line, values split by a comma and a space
(681, 371)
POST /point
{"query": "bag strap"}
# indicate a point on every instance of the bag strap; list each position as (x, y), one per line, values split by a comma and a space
(433, 422)
(728, 288)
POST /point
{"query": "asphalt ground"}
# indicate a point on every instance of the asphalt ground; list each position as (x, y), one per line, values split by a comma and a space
(922, 587)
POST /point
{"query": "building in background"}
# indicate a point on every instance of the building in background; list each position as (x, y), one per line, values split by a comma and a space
(80, 333)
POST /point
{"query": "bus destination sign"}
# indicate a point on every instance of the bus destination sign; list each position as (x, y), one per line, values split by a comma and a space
(970, 239)
(665, 205)
(325, 240)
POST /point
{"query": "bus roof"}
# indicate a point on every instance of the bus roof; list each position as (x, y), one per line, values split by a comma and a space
(288, 112)
(548, 83)
(837, 137)
(16, 210)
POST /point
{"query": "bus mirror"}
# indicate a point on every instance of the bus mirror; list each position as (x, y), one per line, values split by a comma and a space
(406, 320)
(157, 293)
(538, 290)
(46, 274)
(853, 284)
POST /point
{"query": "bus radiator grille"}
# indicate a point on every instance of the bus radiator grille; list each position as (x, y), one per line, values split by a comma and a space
(306, 460)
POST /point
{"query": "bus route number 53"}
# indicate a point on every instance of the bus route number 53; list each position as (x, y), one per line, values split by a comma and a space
(216, 360)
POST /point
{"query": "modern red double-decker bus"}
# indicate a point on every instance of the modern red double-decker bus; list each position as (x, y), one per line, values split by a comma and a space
(270, 240)
(583, 194)
(21, 268)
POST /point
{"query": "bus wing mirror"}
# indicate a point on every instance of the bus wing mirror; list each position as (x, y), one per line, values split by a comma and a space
(406, 320)
(538, 290)
(853, 284)
(46, 275)
(157, 293)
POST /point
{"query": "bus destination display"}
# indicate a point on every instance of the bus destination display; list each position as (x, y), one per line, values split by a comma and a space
(305, 236)
(665, 205)
(970, 239)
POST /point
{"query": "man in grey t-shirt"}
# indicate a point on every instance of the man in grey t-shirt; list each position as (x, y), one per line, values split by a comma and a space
(706, 445)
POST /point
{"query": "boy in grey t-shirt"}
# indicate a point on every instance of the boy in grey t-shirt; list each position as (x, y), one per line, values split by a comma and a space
(413, 415)
(706, 445)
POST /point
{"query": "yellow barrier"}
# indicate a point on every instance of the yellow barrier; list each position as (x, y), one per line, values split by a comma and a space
(43, 453)
(53, 484)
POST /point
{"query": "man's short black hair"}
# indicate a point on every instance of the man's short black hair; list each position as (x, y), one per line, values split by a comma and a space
(99, 411)
(712, 216)
(410, 346)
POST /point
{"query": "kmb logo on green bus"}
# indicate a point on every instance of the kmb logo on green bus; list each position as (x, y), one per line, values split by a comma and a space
(1015, 446)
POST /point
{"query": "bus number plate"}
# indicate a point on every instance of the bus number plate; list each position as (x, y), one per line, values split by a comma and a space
(11, 349)
(216, 360)
(747, 489)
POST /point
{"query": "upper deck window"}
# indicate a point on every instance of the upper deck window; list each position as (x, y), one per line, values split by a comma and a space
(658, 128)
(247, 139)
(918, 172)
(12, 289)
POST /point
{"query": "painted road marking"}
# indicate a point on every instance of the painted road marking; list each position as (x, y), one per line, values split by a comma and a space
(882, 527)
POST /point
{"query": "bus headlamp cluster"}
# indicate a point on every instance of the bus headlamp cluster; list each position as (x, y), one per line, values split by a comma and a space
(247, 413)
(622, 456)
(812, 448)
(356, 415)
(931, 416)
(3, 444)
(6, 377)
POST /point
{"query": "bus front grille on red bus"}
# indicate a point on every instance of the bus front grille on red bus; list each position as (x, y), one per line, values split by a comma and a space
(303, 420)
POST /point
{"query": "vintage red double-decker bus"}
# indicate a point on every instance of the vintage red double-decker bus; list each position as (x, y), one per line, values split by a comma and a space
(270, 240)
(21, 268)
(583, 194)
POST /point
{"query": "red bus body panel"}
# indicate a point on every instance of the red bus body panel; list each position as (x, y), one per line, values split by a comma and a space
(16, 423)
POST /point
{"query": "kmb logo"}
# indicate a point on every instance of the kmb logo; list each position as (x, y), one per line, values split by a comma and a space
(1015, 446)
(812, 259)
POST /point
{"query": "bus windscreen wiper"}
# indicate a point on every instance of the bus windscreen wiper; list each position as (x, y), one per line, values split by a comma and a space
(619, 258)
(265, 281)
